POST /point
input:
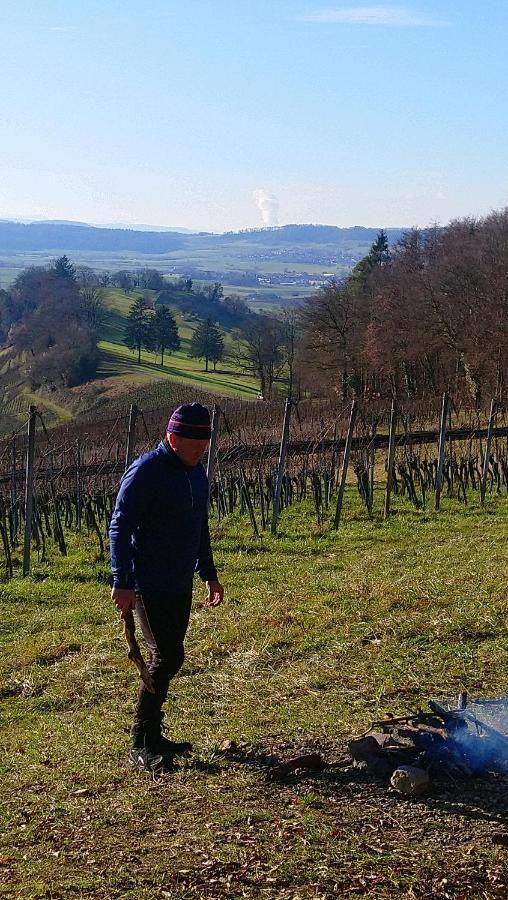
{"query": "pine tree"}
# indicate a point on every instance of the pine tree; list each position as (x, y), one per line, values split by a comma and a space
(207, 342)
(217, 348)
(138, 332)
(164, 331)
(64, 268)
(380, 251)
(377, 257)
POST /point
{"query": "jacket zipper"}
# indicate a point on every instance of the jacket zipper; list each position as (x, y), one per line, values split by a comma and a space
(191, 492)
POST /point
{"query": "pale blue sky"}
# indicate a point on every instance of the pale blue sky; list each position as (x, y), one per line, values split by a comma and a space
(197, 113)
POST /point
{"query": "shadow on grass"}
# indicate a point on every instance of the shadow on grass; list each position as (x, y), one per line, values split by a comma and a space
(112, 364)
(480, 798)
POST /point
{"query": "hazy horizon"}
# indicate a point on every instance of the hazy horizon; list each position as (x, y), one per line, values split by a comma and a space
(184, 230)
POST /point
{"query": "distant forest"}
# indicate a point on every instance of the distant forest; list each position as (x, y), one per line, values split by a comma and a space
(19, 238)
(428, 315)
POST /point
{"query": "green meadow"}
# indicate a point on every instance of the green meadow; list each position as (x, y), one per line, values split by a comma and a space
(117, 359)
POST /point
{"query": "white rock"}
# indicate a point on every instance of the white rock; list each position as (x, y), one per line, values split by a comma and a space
(410, 780)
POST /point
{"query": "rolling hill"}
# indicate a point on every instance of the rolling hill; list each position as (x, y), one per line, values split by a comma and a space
(119, 377)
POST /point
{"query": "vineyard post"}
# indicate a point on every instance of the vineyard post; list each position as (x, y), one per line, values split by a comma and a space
(78, 485)
(345, 463)
(29, 488)
(372, 464)
(450, 437)
(486, 458)
(441, 449)
(212, 449)
(14, 497)
(391, 455)
(131, 435)
(333, 465)
(281, 466)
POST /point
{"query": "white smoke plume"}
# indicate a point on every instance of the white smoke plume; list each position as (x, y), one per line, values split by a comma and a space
(268, 205)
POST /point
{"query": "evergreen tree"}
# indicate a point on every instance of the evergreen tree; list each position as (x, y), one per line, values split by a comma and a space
(217, 349)
(380, 251)
(377, 257)
(64, 268)
(207, 342)
(164, 331)
(214, 292)
(138, 332)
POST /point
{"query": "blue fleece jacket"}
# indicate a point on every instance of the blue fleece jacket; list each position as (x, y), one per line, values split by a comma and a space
(159, 530)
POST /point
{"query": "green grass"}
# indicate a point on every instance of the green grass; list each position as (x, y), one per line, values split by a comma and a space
(59, 413)
(319, 634)
(117, 359)
(124, 375)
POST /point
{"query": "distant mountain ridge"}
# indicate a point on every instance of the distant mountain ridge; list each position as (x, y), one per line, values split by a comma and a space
(312, 234)
(123, 225)
(18, 237)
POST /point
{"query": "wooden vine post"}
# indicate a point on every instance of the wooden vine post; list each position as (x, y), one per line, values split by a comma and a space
(391, 456)
(488, 445)
(441, 449)
(345, 463)
(78, 485)
(281, 466)
(212, 449)
(29, 488)
(131, 435)
(14, 496)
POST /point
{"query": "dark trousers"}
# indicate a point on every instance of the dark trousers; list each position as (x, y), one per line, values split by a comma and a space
(163, 618)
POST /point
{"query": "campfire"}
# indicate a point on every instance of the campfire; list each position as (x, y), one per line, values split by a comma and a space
(456, 739)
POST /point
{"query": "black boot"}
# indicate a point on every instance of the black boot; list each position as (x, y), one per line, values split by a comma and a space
(172, 748)
(145, 753)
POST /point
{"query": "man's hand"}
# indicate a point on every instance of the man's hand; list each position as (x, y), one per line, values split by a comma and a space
(124, 600)
(215, 593)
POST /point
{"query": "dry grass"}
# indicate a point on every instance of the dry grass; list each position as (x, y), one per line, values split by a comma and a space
(319, 634)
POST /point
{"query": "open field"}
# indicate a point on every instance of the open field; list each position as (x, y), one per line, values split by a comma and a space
(319, 634)
(233, 259)
(201, 253)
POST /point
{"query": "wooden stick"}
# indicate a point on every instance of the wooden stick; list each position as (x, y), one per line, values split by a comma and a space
(486, 459)
(131, 435)
(134, 654)
(281, 467)
(29, 488)
(441, 449)
(212, 449)
(345, 463)
(391, 455)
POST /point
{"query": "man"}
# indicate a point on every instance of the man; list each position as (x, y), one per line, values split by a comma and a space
(159, 537)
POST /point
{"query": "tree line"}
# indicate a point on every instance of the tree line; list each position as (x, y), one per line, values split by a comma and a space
(52, 315)
(157, 331)
(428, 315)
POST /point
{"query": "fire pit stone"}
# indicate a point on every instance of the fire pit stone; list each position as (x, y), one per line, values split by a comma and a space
(410, 780)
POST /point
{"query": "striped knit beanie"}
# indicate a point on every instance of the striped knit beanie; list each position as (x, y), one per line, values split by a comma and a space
(191, 420)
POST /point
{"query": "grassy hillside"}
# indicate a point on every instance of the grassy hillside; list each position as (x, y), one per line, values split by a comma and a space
(15, 397)
(319, 634)
(119, 361)
(119, 375)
